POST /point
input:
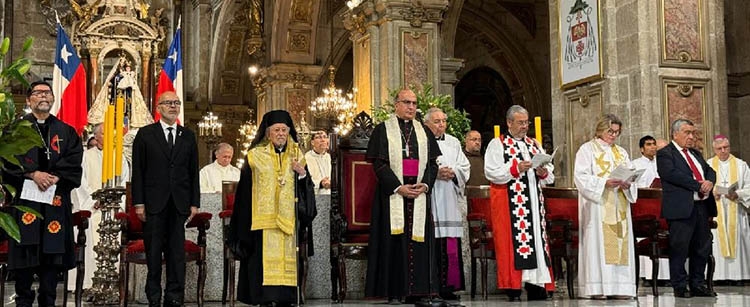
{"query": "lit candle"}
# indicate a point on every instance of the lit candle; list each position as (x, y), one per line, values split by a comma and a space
(109, 140)
(104, 148)
(497, 131)
(538, 128)
(119, 121)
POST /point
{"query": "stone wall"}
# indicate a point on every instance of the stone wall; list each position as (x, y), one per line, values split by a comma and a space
(738, 75)
(641, 80)
(29, 21)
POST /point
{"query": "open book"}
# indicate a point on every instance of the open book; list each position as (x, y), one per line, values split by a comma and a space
(724, 190)
(626, 174)
(542, 159)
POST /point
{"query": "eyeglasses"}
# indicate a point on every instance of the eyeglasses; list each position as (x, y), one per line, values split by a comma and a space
(39, 93)
(171, 103)
(522, 122)
(408, 102)
(613, 132)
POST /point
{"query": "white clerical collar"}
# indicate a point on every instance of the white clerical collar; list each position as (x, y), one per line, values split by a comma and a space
(315, 154)
(220, 166)
(164, 125)
(603, 143)
(725, 162)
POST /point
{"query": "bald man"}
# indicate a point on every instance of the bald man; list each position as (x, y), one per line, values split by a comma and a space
(166, 194)
(212, 175)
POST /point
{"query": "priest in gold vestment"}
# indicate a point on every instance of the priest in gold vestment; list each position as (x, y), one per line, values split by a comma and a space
(264, 222)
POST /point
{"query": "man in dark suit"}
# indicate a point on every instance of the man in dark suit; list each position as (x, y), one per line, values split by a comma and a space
(166, 195)
(687, 204)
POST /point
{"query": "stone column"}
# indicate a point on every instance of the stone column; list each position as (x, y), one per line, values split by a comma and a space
(448, 69)
(738, 73)
(288, 87)
(96, 84)
(198, 31)
(396, 44)
(654, 69)
(146, 76)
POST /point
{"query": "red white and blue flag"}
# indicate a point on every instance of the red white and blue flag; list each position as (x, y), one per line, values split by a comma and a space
(69, 84)
(170, 78)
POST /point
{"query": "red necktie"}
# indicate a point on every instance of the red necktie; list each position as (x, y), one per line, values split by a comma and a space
(696, 173)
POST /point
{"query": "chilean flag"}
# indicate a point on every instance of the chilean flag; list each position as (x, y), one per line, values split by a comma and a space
(170, 78)
(69, 84)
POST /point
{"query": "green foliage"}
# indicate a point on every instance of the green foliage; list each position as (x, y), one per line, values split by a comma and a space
(458, 121)
(16, 137)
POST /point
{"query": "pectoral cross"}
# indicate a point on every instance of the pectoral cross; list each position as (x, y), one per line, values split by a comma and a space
(406, 151)
(46, 151)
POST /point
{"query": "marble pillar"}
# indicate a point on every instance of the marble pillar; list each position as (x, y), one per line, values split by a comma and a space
(660, 60)
(288, 87)
(396, 43)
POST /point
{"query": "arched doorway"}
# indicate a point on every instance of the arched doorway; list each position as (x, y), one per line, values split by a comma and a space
(484, 94)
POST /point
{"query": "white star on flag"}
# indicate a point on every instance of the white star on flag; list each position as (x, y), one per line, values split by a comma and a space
(173, 56)
(64, 53)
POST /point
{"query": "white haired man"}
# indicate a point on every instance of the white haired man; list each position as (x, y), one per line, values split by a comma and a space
(212, 175)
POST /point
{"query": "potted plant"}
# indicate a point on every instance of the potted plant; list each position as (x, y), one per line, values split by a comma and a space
(16, 136)
(458, 122)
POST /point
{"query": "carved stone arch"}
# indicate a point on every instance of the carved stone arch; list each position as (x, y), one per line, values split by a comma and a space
(128, 48)
(218, 51)
(119, 25)
(511, 58)
(294, 31)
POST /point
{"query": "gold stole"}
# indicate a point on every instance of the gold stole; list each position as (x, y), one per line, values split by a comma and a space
(727, 235)
(614, 210)
(273, 209)
(396, 160)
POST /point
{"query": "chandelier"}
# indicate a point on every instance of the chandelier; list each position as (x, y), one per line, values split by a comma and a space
(247, 135)
(335, 106)
(209, 129)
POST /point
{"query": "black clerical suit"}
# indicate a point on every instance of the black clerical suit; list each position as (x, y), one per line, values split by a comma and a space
(689, 232)
(398, 266)
(46, 246)
(165, 180)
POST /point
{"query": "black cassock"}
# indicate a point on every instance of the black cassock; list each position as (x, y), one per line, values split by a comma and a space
(248, 245)
(47, 241)
(398, 266)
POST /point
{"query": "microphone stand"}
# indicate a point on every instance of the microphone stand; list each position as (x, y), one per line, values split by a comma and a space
(430, 300)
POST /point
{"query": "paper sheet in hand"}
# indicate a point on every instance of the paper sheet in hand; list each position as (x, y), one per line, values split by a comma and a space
(722, 190)
(626, 174)
(542, 159)
(31, 192)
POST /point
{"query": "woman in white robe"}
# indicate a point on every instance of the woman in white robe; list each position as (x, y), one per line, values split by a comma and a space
(606, 261)
(733, 215)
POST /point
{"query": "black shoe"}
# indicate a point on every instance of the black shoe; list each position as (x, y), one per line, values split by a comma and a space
(682, 292)
(449, 296)
(172, 303)
(394, 301)
(702, 291)
(411, 299)
(535, 293)
(513, 294)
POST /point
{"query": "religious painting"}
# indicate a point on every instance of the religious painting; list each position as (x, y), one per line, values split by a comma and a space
(682, 35)
(297, 100)
(415, 58)
(362, 73)
(686, 99)
(580, 42)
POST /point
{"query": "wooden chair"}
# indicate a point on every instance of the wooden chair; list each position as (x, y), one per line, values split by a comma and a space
(654, 231)
(353, 184)
(481, 241)
(561, 206)
(133, 250)
(227, 206)
(80, 221)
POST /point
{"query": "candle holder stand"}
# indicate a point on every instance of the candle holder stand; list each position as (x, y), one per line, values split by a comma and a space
(106, 280)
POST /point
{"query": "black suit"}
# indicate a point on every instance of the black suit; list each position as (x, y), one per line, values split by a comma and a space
(166, 182)
(689, 232)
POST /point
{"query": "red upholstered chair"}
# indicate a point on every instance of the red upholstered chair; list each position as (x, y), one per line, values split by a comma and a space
(480, 235)
(133, 250)
(81, 223)
(353, 184)
(561, 212)
(227, 205)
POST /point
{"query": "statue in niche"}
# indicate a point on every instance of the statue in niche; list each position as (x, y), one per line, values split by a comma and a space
(121, 77)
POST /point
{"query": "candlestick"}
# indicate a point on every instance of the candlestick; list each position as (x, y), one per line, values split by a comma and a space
(538, 128)
(119, 121)
(497, 131)
(105, 124)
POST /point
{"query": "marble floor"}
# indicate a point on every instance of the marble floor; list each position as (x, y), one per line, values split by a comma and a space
(728, 296)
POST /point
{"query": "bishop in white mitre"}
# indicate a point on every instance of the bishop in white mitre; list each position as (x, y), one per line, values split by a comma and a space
(449, 206)
(731, 243)
(319, 163)
(91, 181)
(213, 175)
(606, 256)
